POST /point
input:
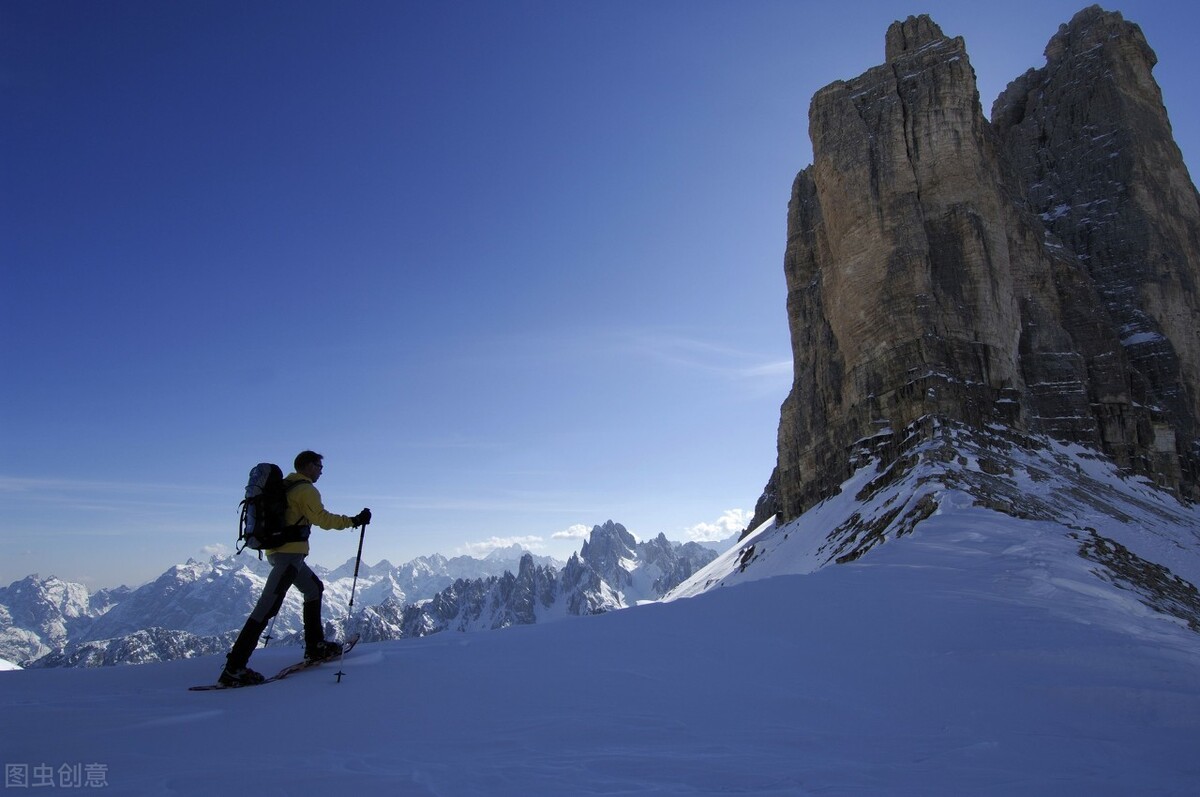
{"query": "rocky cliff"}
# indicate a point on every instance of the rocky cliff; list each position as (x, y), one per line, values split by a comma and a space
(1037, 274)
(1091, 142)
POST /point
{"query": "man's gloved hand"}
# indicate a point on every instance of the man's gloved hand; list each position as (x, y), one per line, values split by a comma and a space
(362, 518)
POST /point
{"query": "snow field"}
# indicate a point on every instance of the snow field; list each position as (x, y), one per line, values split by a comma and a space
(915, 674)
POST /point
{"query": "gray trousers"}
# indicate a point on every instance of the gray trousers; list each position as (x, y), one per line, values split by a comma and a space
(287, 569)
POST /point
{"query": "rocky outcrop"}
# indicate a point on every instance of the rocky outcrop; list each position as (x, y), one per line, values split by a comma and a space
(1090, 139)
(486, 604)
(924, 288)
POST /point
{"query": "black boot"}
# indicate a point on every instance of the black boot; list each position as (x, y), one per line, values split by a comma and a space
(236, 673)
(315, 646)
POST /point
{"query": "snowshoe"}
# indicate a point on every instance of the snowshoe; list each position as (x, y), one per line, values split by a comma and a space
(240, 676)
(322, 651)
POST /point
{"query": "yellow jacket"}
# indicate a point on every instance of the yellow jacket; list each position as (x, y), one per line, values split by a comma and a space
(304, 506)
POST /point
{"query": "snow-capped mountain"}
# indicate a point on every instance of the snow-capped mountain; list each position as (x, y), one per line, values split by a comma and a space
(39, 615)
(139, 647)
(193, 609)
(612, 571)
(642, 571)
(190, 608)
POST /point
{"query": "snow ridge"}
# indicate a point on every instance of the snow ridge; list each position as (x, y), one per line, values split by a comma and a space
(1084, 526)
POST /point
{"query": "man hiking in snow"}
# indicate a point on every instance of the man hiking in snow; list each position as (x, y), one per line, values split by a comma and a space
(304, 509)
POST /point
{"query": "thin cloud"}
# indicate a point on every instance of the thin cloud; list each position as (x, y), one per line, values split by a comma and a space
(15, 484)
(549, 503)
(483, 548)
(105, 496)
(678, 350)
(709, 357)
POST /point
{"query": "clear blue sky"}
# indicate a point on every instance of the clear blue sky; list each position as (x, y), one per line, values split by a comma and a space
(515, 268)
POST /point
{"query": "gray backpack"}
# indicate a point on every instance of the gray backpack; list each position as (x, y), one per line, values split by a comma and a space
(261, 525)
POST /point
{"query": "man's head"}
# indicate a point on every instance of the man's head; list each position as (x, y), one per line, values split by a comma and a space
(308, 463)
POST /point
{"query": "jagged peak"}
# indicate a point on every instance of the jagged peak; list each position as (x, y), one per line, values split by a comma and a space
(608, 537)
(911, 34)
(1092, 27)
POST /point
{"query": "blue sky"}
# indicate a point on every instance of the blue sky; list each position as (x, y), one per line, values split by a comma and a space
(515, 268)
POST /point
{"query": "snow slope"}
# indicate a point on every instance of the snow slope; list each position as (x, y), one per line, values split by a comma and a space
(940, 664)
(967, 653)
(1065, 495)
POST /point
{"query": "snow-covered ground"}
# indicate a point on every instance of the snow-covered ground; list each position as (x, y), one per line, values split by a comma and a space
(965, 659)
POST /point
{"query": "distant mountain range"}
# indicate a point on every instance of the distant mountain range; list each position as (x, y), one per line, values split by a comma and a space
(196, 608)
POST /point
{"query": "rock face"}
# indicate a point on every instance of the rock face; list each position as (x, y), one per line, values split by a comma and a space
(944, 269)
(1091, 141)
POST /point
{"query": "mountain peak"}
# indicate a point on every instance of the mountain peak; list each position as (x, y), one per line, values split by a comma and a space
(1094, 27)
(912, 34)
(1040, 274)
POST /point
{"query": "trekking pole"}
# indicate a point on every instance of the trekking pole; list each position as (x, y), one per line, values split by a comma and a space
(353, 585)
(270, 628)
